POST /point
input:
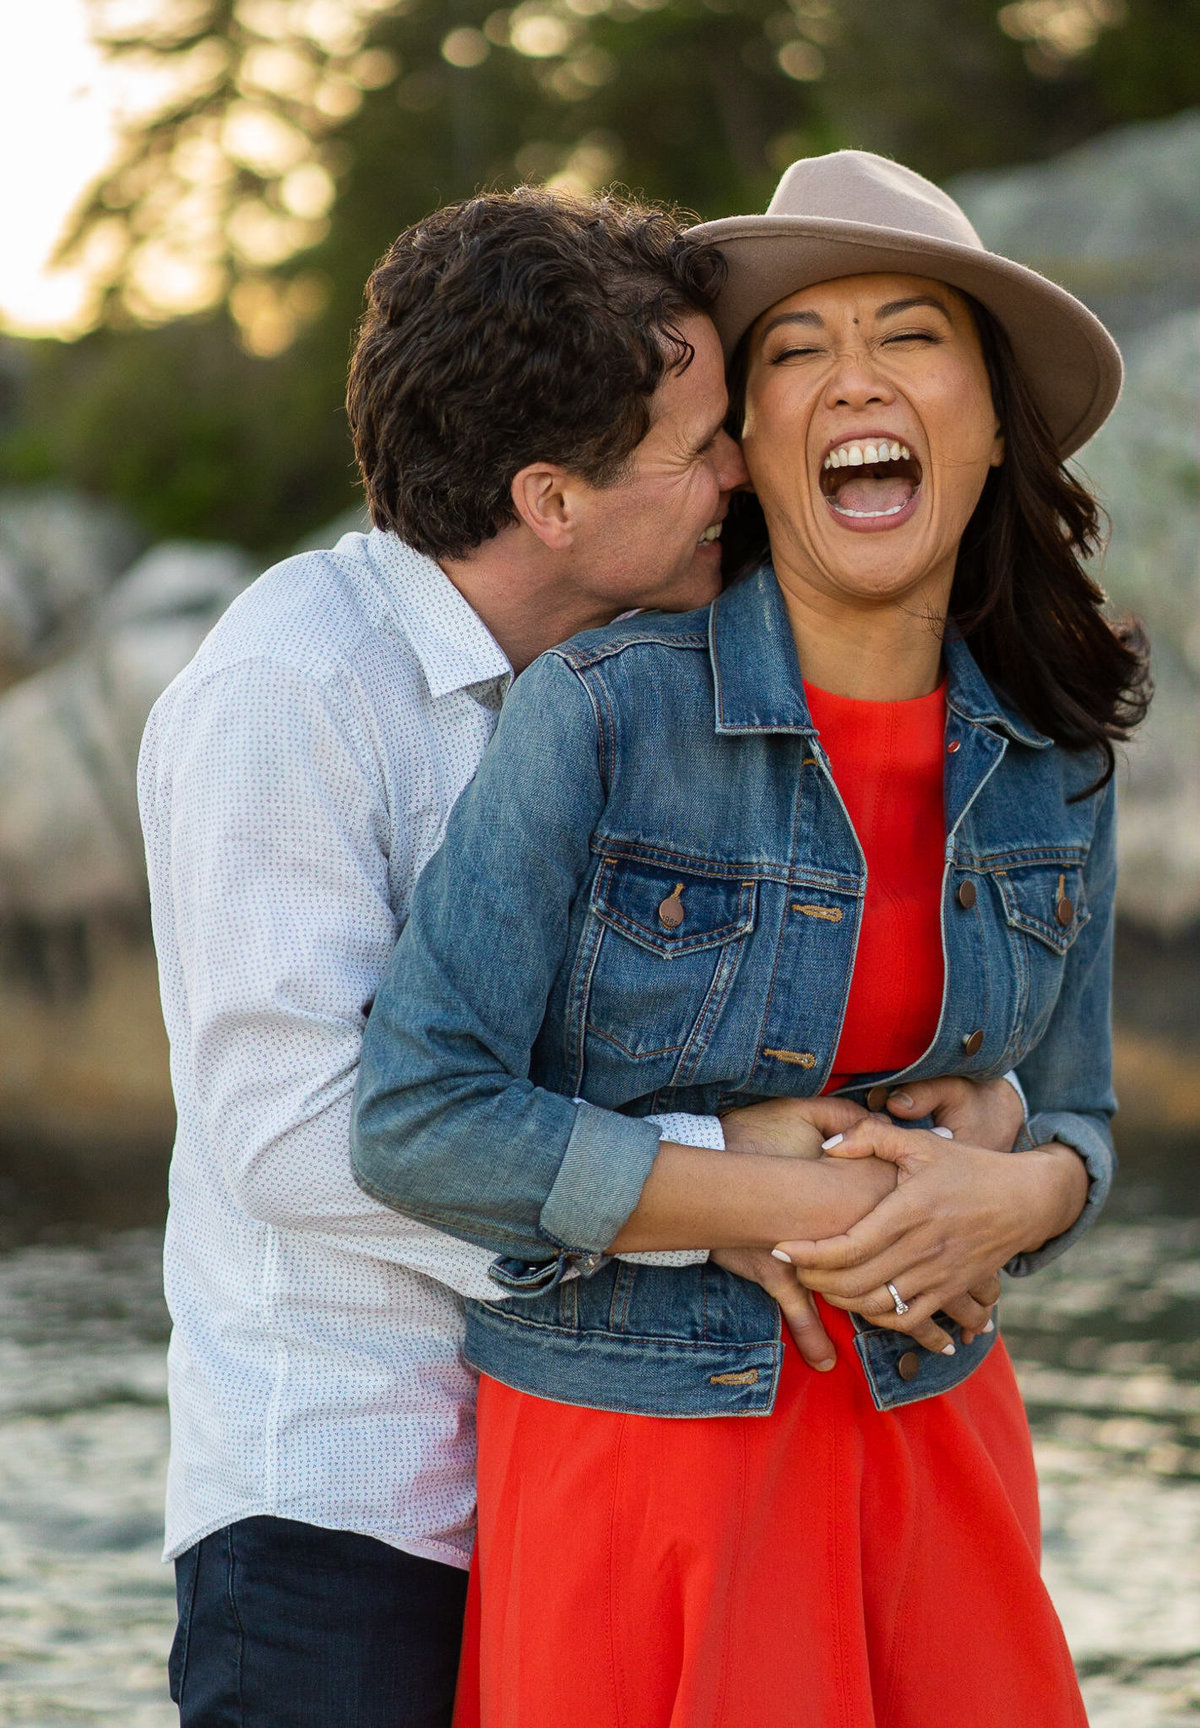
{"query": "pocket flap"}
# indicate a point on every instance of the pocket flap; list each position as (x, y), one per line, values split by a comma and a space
(672, 911)
(1045, 901)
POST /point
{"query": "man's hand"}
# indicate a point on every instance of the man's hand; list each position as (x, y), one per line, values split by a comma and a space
(984, 1113)
(788, 1127)
(796, 1303)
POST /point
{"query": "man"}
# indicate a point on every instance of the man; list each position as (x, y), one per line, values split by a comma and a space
(537, 400)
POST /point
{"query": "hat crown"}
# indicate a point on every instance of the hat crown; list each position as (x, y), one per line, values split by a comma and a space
(857, 186)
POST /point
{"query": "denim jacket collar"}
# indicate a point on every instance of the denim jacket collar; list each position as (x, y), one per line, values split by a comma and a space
(756, 676)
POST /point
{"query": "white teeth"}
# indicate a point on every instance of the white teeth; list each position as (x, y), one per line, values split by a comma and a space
(872, 514)
(860, 455)
(710, 534)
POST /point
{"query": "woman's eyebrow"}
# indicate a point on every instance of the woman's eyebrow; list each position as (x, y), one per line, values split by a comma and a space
(812, 319)
(894, 306)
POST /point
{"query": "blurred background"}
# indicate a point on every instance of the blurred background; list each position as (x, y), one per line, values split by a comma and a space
(195, 192)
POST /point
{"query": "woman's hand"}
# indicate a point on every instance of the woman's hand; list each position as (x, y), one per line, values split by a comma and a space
(984, 1113)
(957, 1214)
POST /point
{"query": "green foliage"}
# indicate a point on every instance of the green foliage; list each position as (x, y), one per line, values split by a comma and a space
(191, 434)
(394, 106)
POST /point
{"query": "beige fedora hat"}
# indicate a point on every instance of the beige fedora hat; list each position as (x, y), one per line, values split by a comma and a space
(851, 213)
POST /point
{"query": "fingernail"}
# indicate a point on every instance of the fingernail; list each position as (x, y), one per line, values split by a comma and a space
(949, 1350)
(824, 1367)
(901, 1098)
(946, 1133)
(779, 1254)
(834, 1140)
(990, 1327)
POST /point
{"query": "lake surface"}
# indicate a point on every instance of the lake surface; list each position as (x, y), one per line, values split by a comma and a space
(1106, 1343)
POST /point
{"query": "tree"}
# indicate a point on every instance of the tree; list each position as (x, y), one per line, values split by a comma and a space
(289, 140)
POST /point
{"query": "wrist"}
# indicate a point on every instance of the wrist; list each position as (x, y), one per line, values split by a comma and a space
(1064, 1191)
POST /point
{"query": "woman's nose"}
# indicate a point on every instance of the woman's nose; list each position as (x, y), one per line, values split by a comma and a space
(855, 381)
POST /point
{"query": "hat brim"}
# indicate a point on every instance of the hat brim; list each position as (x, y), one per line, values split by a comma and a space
(1068, 358)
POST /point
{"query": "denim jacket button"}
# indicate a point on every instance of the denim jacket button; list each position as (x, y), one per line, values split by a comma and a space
(966, 895)
(1065, 911)
(877, 1097)
(909, 1365)
(670, 910)
(973, 1043)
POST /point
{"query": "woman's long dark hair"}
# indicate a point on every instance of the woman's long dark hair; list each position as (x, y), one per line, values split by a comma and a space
(1022, 597)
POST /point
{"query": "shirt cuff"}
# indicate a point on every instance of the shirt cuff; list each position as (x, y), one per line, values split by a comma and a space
(1085, 1136)
(1019, 1090)
(684, 1130)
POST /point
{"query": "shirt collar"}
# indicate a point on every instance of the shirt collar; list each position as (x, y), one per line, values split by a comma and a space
(454, 646)
(756, 676)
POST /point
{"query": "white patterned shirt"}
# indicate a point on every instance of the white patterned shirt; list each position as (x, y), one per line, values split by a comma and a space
(294, 780)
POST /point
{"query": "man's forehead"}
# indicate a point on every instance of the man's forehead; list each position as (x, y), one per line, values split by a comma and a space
(690, 401)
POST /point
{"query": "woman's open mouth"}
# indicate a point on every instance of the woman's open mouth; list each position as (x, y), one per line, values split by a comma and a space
(871, 482)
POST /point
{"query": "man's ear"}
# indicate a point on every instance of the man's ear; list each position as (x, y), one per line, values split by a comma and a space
(544, 499)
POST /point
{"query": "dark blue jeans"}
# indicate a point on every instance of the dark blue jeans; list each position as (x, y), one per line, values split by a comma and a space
(283, 1625)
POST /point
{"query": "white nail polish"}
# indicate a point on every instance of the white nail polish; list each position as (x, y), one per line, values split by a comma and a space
(834, 1140)
(778, 1254)
(990, 1327)
(949, 1350)
(946, 1133)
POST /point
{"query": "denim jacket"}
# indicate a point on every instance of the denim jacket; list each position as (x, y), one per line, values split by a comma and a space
(673, 756)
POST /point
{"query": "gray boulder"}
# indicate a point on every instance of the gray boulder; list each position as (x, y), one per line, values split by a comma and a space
(59, 554)
(1145, 466)
(70, 845)
(1117, 220)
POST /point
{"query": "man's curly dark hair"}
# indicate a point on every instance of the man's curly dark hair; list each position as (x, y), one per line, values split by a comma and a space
(514, 328)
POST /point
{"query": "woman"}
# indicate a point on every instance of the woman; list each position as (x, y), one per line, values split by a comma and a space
(805, 840)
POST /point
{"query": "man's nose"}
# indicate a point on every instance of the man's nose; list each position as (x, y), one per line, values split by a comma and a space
(730, 466)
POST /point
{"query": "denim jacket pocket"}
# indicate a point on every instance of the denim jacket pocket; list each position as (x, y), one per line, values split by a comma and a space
(1045, 910)
(662, 946)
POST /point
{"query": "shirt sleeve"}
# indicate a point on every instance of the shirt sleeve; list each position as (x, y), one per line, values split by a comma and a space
(1067, 1078)
(449, 1126)
(266, 827)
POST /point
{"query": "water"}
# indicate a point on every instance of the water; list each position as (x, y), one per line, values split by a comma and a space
(1106, 1344)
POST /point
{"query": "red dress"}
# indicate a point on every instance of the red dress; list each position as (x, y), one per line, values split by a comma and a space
(829, 1565)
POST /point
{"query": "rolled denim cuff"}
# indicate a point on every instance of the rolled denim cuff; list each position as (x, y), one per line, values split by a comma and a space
(1093, 1144)
(600, 1179)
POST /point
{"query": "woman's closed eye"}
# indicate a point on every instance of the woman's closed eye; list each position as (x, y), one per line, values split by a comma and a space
(926, 336)
(793, 352)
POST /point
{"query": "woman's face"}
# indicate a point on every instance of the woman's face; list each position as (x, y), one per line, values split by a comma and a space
(868, 436)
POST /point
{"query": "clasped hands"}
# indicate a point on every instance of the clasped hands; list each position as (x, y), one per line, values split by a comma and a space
(953, 1210)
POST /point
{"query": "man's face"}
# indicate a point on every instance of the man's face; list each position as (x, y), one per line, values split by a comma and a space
(653, 537)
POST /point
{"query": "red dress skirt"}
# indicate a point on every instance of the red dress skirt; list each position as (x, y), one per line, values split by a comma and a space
(828, 1565)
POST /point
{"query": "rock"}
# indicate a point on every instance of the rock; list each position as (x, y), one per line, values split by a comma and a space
(70, 844)
(1145, 466)
(59, 553)
(1117, 220)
